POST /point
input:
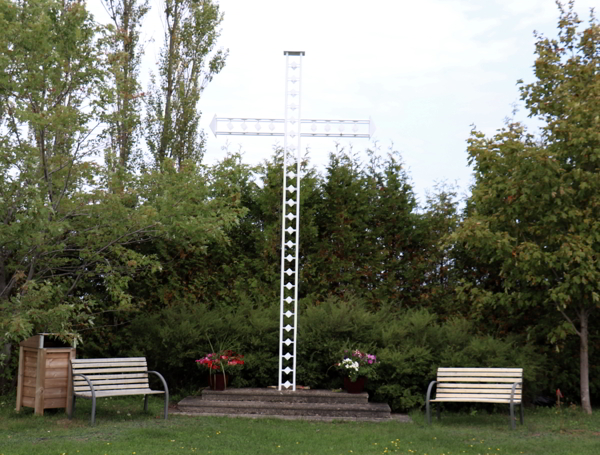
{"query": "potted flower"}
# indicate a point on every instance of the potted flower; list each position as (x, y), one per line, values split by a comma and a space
(357, 367)
(219, 365)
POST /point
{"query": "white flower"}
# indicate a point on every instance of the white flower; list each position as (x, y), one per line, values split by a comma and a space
(349, 364)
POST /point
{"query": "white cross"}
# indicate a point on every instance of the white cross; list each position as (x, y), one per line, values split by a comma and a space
(292, 128)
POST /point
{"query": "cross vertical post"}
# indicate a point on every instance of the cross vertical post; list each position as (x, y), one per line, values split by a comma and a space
(290, 216)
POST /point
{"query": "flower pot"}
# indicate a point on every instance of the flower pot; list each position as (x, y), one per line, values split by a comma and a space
(218, 381)
(355, 386)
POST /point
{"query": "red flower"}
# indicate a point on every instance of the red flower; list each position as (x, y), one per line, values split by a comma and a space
(216, 361)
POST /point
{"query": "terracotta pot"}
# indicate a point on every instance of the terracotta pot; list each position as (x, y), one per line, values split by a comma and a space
(356, 386)
(218, 381)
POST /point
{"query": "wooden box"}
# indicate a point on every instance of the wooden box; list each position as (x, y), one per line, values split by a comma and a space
(44, 379)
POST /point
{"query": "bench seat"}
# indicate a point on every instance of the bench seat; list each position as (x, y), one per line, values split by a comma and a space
(477, 385)
(100, 378)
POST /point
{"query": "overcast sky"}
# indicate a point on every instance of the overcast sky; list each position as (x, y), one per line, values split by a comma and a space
(424, 70)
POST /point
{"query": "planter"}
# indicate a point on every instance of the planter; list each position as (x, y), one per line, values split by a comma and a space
(355, 386)
(218, 381)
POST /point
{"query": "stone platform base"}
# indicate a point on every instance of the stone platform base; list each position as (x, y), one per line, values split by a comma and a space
(322, 405)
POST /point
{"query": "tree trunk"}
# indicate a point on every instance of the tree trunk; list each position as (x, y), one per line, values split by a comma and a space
(584, 367)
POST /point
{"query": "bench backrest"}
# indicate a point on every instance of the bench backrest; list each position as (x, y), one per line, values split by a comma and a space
(489, 384)
(110, 374)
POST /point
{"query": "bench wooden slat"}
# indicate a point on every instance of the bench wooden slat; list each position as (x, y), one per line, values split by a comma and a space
(475, 385)
(102, 366)
(463, 379)
(476, 395)
(94, 377)
(473, 400)
(493, 391)
(496, 374)
(483, 370)
(454, 393)
(101, 380)
(116, 393)
(116, 360)
(113, 384)
(112, 387)
(459, 392)
(111, 370)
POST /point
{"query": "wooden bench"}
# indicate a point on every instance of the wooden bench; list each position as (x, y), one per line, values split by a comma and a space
(98, 378)
(477, 385)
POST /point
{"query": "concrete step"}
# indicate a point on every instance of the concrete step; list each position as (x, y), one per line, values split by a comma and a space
(398, 417)
(351, 411)
(286, 396)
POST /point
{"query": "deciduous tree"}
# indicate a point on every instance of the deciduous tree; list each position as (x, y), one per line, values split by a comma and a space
(536, 202)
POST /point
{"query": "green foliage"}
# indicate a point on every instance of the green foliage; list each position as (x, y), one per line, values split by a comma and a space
(364, 232)
(410, 346)
(188, 62)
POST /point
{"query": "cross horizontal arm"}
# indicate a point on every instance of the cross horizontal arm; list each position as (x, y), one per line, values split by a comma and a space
(251, 126)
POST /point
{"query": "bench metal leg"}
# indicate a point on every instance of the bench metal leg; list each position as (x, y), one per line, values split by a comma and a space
(512, 415)
(166, 404)
(428, 402)
(93, 420)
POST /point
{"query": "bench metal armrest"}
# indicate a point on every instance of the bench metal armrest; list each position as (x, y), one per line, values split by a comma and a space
(93, 418)
(90, 383)
(165, 388)
(514, 388)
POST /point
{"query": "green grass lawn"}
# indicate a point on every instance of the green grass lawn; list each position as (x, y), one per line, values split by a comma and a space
(123, 428)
